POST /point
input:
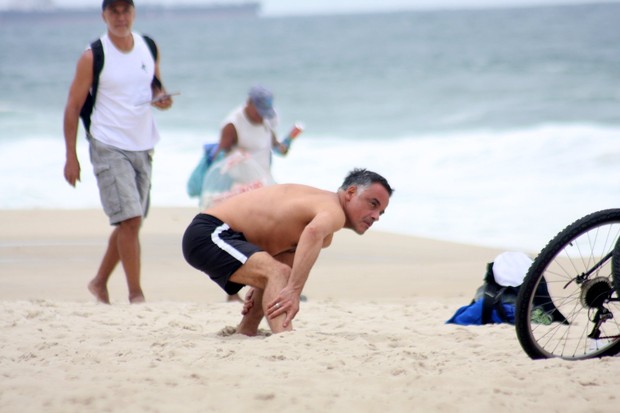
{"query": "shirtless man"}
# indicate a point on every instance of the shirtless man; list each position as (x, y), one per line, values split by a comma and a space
(271, 237)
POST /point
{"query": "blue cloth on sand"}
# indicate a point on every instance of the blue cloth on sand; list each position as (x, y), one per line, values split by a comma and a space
(472, 314)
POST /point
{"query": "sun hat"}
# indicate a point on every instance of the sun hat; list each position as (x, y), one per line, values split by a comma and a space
(262, 99)
(107, 3)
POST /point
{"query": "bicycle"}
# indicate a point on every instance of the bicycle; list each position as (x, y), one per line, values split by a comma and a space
(578, 317)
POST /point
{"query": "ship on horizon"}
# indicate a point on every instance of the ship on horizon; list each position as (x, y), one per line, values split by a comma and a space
(48, 7)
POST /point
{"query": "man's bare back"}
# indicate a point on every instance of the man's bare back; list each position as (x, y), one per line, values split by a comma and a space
(274, 217)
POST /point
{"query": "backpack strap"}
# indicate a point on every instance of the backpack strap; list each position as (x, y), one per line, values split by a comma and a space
(156, 83)
(152, 46)
(492, 298)
(489, 295)
(89, 103)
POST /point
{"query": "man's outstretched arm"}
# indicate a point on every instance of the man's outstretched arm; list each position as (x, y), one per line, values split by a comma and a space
(315, 236)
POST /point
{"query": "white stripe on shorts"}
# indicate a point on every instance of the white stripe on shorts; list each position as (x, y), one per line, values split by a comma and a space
(215, 237)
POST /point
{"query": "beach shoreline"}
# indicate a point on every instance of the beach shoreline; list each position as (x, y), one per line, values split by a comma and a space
(59, 250)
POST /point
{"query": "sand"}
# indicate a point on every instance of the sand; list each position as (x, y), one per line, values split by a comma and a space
(371, 337)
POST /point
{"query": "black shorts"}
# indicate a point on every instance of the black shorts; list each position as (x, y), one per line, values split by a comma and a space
(209, 245)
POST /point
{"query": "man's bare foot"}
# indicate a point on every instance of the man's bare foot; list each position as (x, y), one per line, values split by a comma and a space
(250, 332)
(229, 331)
(100, 292)
(234, 298)
(137, 299)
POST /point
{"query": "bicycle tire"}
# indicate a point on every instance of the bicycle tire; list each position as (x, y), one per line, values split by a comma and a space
(580, 285)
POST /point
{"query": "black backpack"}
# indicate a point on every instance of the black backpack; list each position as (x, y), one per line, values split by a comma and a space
(98, 60)
(495, 295)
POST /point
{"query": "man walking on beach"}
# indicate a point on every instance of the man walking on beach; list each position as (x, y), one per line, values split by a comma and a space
(271, 237)
(121, 136)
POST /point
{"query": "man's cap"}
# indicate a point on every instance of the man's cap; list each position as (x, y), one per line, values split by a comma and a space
(107, 3)
(262, 99)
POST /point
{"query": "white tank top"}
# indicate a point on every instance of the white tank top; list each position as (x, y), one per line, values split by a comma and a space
(252, 138)
(120, 117)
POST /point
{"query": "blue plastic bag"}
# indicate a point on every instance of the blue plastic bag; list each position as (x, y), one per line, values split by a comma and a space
(194, 184)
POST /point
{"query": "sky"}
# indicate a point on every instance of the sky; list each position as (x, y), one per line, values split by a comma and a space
(294, 7)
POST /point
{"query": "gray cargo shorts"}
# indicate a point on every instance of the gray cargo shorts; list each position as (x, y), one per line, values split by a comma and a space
(124, 180)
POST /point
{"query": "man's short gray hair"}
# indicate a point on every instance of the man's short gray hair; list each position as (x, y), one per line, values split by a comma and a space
(364, 178)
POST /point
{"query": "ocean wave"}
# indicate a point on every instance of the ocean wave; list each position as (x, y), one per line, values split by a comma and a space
(509, 188)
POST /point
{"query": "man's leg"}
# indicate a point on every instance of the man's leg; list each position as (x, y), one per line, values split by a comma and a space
(129, 253)
(124, 246)
(98, 286)
(131, 171)
(268, 277)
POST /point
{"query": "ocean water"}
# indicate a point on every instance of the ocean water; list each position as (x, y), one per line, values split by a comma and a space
(496, 127)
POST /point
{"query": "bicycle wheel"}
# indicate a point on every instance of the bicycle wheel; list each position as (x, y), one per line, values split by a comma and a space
(567, 305)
